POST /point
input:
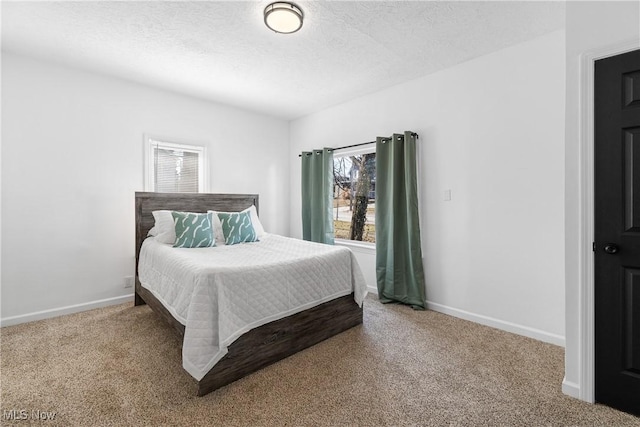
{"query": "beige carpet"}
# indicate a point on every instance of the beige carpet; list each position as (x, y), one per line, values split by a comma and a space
(121, 366)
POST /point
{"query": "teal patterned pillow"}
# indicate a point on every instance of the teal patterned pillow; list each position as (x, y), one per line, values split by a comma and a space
(237, 227)
(193, 230)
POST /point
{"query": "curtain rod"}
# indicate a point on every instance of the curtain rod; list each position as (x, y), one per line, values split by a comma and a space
(363, 143)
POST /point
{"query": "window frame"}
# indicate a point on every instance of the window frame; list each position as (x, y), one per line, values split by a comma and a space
(354, 151)
(151, 141)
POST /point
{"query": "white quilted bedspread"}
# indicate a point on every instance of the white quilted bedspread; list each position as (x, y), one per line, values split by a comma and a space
(222, 292)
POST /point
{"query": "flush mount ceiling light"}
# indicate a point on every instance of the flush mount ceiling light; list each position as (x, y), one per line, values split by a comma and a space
(283, 17)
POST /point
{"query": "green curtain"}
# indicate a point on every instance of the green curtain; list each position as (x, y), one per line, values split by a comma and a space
(317, 196)
(399, 270)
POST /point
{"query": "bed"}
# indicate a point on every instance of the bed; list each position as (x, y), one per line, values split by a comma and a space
(241, 352)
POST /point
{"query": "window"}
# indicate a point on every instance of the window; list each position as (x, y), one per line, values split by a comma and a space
(354, 195)
(174, 168)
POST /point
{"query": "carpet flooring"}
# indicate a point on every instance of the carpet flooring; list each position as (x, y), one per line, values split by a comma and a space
(121, 366)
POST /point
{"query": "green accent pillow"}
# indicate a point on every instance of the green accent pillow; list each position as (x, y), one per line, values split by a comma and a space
(237, 227)
(193, 230)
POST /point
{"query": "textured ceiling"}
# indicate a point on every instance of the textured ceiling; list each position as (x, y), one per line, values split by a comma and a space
(223, 52)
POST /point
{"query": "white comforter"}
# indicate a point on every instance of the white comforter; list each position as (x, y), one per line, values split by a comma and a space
(222, 292)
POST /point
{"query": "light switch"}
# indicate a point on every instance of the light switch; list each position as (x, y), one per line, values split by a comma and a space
(447, 195)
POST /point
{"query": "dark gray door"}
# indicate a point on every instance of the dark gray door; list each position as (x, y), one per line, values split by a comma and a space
(617, 231)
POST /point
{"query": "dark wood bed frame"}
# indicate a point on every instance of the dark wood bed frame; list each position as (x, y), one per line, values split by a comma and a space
(261, 346)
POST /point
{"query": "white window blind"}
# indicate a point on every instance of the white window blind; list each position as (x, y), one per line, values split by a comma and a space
(175, 168)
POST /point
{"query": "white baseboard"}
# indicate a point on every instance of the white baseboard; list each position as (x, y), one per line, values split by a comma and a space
(494, 323)
(570, 389)
(55, 312)
(499, 324)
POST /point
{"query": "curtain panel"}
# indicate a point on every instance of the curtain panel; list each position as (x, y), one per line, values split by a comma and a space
(399, 269)
(317, 196)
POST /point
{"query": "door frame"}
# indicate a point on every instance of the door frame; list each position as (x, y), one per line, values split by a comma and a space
(586, 288)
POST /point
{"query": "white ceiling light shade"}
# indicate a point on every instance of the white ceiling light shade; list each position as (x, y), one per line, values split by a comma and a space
(283, 17)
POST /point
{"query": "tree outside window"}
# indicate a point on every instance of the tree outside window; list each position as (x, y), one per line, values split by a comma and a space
(354, 197)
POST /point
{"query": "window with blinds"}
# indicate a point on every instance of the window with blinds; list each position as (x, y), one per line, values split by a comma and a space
(175, 168)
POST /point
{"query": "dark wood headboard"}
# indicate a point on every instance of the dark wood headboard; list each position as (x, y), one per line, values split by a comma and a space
(146, 203)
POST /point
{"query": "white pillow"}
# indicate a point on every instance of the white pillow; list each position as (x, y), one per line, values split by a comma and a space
(217, 229)
(255, 221)
(164, 230)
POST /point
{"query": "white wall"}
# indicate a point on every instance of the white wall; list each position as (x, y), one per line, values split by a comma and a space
(72, 160)
(590, 26)
(492, 131)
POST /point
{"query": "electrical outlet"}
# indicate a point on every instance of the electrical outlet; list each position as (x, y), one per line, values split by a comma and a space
(128, 282)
